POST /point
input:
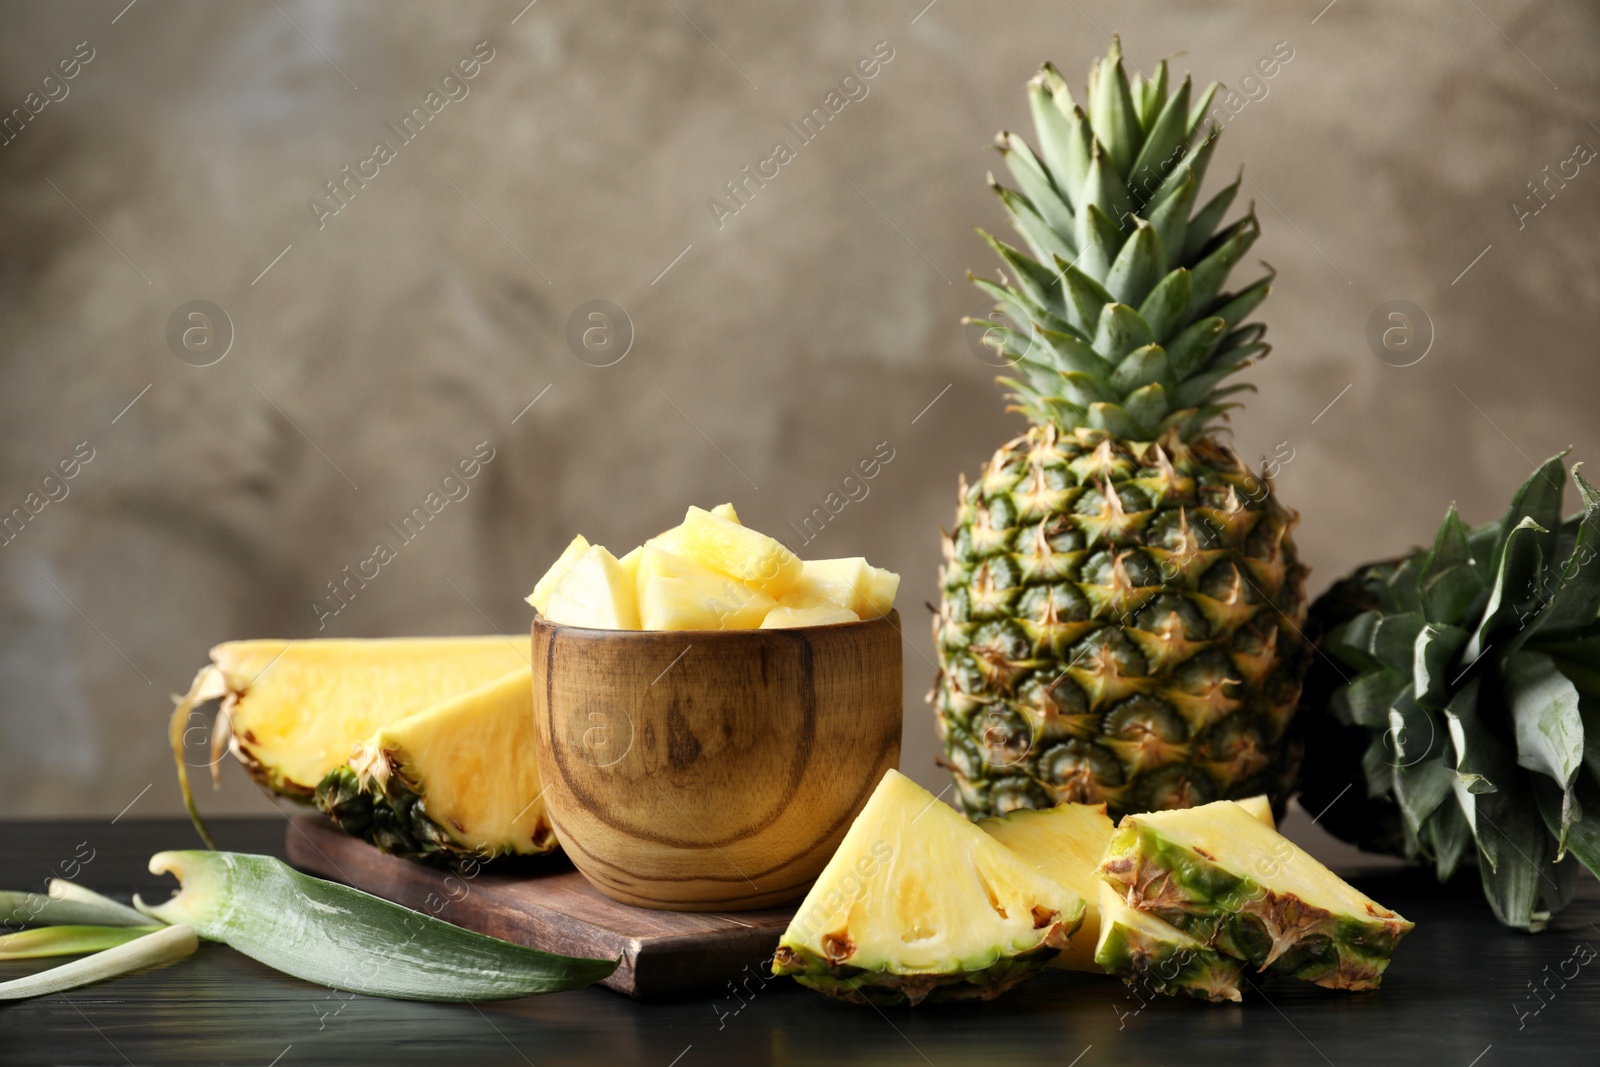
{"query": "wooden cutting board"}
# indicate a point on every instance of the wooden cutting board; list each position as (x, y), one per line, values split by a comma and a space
(548, 905)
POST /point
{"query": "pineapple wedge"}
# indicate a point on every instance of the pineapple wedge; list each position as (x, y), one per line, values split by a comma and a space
(784, 617)
(558, 570)
(457, 780)
(1064, 843)
(595, 593)
(296, 709)
(753, 558)
(1067, 843)
(1219, 874)
(675, 593)
(918, 903)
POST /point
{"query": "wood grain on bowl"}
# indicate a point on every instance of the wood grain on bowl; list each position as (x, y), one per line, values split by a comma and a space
(712, 770)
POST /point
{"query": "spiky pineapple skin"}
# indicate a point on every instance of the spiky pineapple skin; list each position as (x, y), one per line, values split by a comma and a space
(884, 988)
(1149, 965)
(394, 819)
(1140, 648)
(392, 814)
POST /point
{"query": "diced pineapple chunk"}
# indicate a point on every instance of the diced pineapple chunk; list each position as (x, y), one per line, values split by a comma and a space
(557, 571)
(840, 583)
(784, 617)
(676, 593)
(668, 540)
(885, 584)
(723, 545)
(594, 593)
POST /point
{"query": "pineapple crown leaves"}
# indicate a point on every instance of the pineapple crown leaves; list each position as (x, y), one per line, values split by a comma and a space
(1118, 320)
(1477, 672)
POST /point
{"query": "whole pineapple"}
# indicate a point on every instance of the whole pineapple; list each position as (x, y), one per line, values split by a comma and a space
(1121, 605)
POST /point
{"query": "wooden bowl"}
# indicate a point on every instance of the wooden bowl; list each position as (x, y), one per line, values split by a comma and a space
(707, 770)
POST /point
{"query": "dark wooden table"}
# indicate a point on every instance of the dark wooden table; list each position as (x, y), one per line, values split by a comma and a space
(1458, 995)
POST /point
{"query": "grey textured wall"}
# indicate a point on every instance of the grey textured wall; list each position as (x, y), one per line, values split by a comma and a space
(772, 349)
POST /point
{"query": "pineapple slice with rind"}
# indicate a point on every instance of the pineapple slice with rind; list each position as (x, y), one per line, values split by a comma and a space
(1150, 954)
(918, 903)
(295, 709)
(558, 570)
(1217, 873)
(753, 558)
(1064, 843)
(456, 780)
(1067, 843)
(676, 593)
(594, 593)
(784, 617)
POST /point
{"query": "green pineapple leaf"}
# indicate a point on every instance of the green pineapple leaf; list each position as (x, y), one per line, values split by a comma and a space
(1167, 134)
(1192, 348)
(1167, 306)
(1507, 825)
(1171, 218)
(1433, 666)
(1098, 239)
(1583, 835)
(1045, 240)
(1203, 226)
(1138, 267)
(1085, 297)
(1120, 331)
(1112, 111)
(1515, 573)
(1539, 499)
(1036, 184)
(1420, 788)
(1062, 140)
(1202, 107)
(1549, 730)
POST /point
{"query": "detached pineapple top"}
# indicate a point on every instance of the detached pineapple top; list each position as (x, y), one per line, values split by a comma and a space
(1125, 327)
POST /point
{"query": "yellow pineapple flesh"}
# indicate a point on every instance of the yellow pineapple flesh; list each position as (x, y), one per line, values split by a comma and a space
(459, 778)
(917, 903)
(595, 592)
(676, 593)
(295, 710)
(739, 552)
(1065, 844)
(558, 570)
(784, 617)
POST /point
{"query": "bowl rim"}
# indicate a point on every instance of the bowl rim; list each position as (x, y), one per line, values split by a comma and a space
(892, 620)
